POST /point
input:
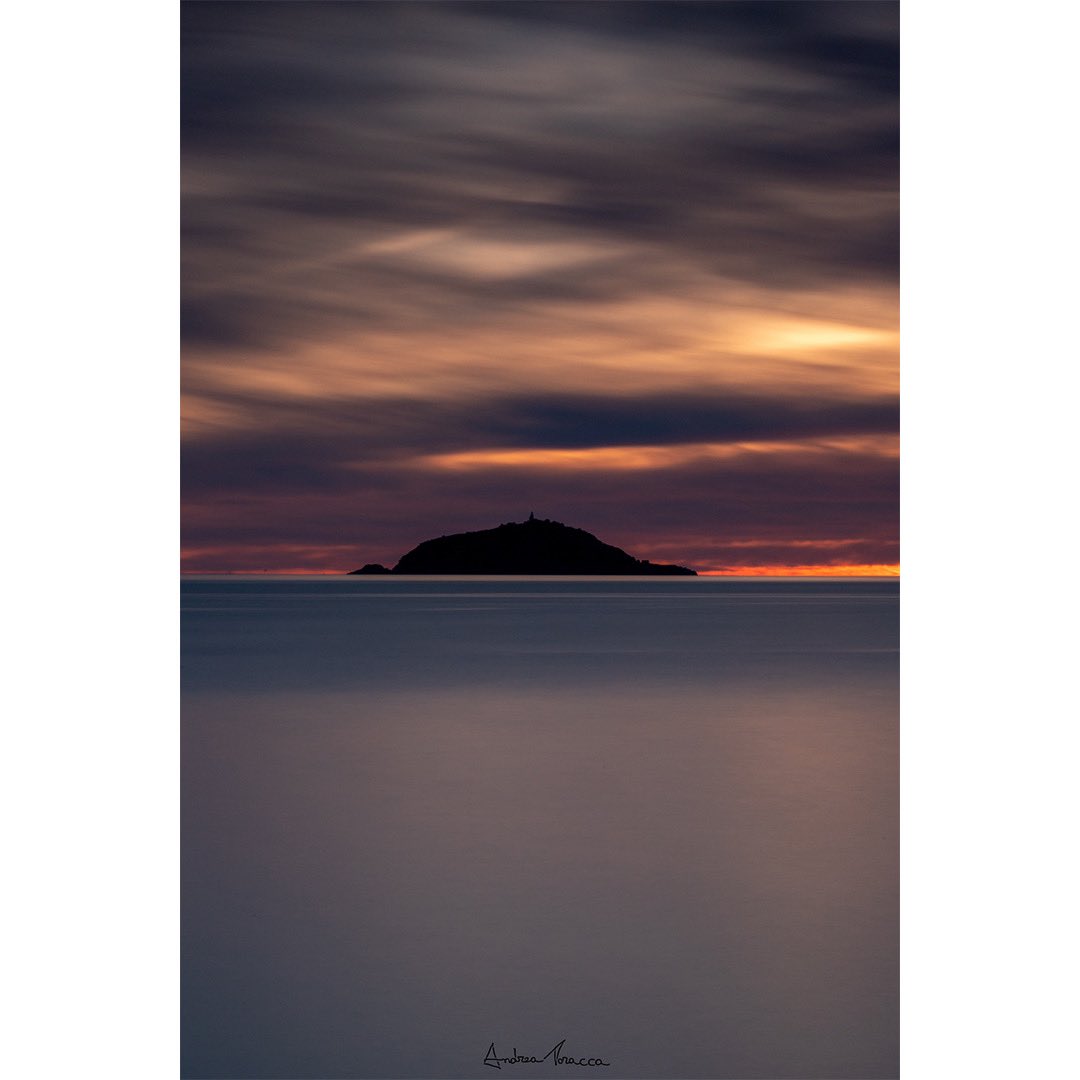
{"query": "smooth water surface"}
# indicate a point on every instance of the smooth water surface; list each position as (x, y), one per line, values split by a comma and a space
(654, 818)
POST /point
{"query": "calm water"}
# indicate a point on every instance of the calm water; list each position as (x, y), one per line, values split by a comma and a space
(654, 818)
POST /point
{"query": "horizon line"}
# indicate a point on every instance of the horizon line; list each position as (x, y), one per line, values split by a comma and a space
(877, 570)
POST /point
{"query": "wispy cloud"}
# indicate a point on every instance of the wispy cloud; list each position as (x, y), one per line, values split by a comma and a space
(419, 230)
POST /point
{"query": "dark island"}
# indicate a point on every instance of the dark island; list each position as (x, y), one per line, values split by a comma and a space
(531, 547)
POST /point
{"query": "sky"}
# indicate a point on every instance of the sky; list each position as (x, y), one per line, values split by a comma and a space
(632, 267)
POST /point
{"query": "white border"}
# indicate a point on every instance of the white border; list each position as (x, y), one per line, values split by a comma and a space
(988, 720)
(90, 540)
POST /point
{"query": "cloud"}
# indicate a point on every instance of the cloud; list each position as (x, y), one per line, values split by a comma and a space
(702, 514)
(413, 230)
(363, 480)
(742, 142)
(318, 446)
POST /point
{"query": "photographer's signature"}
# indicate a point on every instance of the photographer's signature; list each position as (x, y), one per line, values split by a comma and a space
(555, 1053)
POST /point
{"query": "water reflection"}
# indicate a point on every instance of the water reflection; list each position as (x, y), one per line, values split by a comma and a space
(413, 829)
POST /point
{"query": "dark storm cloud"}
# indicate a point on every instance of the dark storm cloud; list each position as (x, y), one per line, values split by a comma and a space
(664, 419)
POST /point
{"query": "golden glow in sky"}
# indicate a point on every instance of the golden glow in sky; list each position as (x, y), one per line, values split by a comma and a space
(641, 282)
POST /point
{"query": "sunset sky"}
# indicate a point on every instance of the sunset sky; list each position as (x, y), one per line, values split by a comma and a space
(632, 267)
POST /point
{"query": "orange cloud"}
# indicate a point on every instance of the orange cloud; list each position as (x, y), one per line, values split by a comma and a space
(703, 339)
(633, 458)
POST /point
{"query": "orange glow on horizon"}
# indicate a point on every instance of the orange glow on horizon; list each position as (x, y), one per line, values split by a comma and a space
(287, 571)
(884, 570)
(879, 570)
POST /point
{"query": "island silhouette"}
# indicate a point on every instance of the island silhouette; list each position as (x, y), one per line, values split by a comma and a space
(536, 546)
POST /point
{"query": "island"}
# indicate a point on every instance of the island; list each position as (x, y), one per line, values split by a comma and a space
(536, 546)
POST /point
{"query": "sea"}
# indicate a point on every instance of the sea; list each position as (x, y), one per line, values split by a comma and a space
(612, 827)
